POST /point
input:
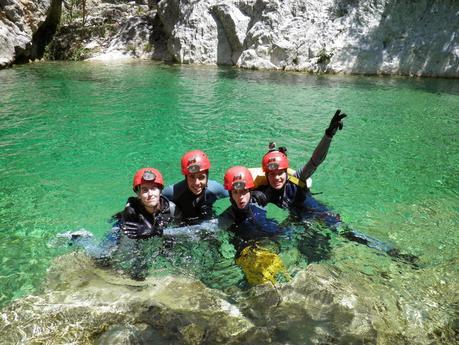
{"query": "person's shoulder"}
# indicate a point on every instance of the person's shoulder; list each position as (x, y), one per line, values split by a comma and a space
(264, 188)
(132, 201)
(226, 218)
(133, 204)
(256, 206)
(174, 190)
(213, 183)
(171, 208)
(216, 188)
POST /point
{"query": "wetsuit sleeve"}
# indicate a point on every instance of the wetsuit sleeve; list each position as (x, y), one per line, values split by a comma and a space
(114, 236)
(316, 159)
(217, 190)
(226, 219)
(259, 197)
(176, 214)
(168, 192)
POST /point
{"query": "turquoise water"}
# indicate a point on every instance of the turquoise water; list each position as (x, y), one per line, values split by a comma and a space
(72, 135)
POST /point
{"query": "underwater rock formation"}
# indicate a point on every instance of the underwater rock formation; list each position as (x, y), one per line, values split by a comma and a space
(82, 304)
(26, 27)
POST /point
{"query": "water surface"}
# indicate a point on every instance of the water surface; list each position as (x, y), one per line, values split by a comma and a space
(73, 134)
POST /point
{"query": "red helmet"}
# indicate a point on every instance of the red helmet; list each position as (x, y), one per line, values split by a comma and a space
(147, 175)
(238, 178)
(194, 161)
(274, 160)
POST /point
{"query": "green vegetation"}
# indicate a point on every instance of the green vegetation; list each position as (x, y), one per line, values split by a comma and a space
(74, 9)
(324, 57)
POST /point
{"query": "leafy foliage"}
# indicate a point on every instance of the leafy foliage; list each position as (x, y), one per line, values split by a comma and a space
(74, 9)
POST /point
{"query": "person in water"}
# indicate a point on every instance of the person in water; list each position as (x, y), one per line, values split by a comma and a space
(146, 214)
(248, 222)
(290, 191)
(245, 217)
(196, 194)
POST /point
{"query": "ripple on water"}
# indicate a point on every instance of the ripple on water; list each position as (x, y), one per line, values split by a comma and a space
(72, 134)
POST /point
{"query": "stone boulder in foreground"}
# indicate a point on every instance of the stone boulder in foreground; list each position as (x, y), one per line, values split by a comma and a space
(82, 304)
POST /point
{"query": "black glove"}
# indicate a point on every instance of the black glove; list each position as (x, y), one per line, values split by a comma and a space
(141, 230)
(259, 197)
(205, 211)
(335, 123)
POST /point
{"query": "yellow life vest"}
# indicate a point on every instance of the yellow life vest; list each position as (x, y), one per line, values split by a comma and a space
(259, 178)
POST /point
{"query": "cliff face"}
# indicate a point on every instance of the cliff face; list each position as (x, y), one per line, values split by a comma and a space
(25, 28)
(338, 36)
(365, 37)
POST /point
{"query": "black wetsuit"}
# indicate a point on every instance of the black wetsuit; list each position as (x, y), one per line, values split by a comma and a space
(249, 225)
(291, 196)
(195, 208)
(134, 211)
(130, 254)
(302, 204)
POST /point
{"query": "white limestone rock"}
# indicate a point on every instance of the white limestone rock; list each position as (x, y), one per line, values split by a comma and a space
(24, 27)
(362, 37)
(232, 25)
(338, 36)
(192, 31)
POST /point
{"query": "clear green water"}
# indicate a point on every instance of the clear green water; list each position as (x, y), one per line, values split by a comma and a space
(71, 136)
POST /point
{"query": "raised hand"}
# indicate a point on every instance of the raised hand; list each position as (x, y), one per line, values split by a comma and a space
(335, 123)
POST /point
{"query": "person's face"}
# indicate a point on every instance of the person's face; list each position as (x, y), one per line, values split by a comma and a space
(197, 182)
(149, 194)
(241, 197)
(277, 178)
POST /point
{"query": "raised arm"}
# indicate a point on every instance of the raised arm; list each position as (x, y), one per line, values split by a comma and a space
(321, 150)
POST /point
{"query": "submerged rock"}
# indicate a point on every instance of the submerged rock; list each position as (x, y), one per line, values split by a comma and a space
(324, 305)
(82, 304)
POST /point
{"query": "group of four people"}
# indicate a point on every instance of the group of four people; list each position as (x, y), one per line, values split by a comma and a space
(191, 200)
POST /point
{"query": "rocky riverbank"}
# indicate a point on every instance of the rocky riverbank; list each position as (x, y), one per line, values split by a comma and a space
(361, 37)
(26, 27)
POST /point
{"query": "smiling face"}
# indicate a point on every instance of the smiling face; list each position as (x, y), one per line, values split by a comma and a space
(241, 197)
(197, 182)
(277, 178)
(149, 194)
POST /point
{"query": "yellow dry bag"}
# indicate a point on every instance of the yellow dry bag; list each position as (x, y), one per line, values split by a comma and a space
(261, 265)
